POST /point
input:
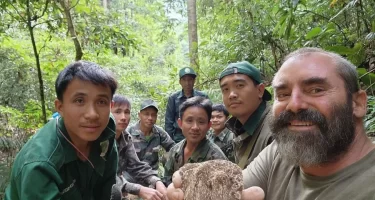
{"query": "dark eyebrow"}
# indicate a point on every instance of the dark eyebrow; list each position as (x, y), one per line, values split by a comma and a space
(238, 80)
(315, 80)
(309, 81)
(79, 94)
(280, 86)
(104, 96)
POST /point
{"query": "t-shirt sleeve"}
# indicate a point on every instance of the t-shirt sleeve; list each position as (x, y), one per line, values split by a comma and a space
(37, 180)
(257, 172)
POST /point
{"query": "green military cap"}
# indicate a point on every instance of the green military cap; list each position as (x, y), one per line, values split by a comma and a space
(149, 103)
(248, 69)
(187, 71)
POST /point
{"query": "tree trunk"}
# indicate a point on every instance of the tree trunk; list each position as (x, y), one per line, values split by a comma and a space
(105, 4)
(66, 7)
(36, 54)
(193, 35)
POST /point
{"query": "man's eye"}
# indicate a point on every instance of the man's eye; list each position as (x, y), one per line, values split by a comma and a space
(239, 85)
(281, 96)
(79, 101)
(316, 90)
(102, 102)
(224, 89)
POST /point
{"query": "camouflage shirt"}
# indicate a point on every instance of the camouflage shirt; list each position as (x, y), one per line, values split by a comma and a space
(172, 113)
(224, 141)
(130, 163)
(147, 149)
(206, 150)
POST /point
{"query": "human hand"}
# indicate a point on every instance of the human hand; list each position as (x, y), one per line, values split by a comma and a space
(147, 193)
(174, 191)
(161, 188)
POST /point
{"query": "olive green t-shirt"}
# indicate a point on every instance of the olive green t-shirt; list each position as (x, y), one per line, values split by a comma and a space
(281, 180)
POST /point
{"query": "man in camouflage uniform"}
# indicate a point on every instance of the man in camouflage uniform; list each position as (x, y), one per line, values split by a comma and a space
(245, 97)
(148, 138)
(143, 180)
(187, 79)
(194, 122)
(219, 134)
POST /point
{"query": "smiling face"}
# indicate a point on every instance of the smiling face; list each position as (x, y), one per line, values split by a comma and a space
(312, 112)
(85, 108)
(148, 117)
(194, 124)
(240, 95)
(218, 120)
(121, 112)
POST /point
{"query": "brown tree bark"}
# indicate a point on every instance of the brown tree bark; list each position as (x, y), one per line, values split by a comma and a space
(30, 27)
(65, 4)
(193, 35)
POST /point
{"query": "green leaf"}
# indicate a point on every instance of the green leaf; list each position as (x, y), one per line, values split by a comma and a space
(342, 50)
(366, 78)
(313, 33)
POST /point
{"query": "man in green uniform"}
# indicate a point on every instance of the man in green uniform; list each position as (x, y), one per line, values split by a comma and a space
(219, 134)
(245, 97)
(72, 156)
(187, 80)
(321, 150)
(148, 138)
(139, 177)
(195, 114)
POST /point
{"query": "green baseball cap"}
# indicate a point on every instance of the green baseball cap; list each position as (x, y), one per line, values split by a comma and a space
(248, 69)
(149, 103)
(187, 71)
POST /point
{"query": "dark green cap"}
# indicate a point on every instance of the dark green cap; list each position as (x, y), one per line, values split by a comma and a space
(187, 71)
(149, 103)
(246, 68)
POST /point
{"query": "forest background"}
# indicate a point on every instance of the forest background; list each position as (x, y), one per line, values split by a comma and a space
(146, 42)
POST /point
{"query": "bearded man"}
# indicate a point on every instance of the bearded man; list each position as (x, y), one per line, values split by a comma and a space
(321, 150)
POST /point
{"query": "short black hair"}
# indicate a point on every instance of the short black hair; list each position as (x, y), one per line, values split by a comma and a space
(85, 71)
(119, 99)
(197, 101)
(220, 108)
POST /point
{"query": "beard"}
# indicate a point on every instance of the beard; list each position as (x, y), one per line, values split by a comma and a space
(323, 145)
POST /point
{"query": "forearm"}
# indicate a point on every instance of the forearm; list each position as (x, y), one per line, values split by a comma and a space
(131, 188)
(152, 181)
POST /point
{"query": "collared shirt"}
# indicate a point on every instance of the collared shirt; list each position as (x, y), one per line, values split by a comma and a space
(206, 150)
(173, 112)
(47, 167)
(147, 149)
(224, 141)
(129, 163)
(257, 123)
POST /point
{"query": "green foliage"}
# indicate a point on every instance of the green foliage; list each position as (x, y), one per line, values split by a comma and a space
(370, 117)
(145, 43)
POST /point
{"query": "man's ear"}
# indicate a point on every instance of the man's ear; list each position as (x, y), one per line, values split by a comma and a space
(179, 122)
(59, 107)
(261, 89)
(359, 104)
(112, 104)
(209, 124)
